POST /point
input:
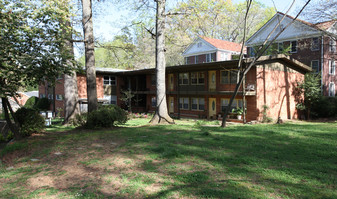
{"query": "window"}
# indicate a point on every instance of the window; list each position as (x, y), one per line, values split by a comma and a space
(194, 78)
(293, 46)
(50, 96)
(197, 78)
(315, 66)
(332, 45)
(332, 67)
(201, 78)
(199, 44)
(315, 44)
(110, 99)
(183, 78)
(224, 104)
(184, 103)
(252, 51)
(210, 57)
(229, 77)
(280, 47)
(237, 103)
(153, 101)
(109, 80)
(332, 89)
(186, 60)
(153, 80)
(59, 97)
(196, 59)
(198, 104)
(42, 95)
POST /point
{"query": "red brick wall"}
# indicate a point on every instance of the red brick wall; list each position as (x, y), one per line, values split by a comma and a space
(276, 89)
(82, 86)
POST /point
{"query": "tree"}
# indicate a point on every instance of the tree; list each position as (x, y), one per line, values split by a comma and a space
(161, 115)
(310, 88)
(89, 54)
(243, 67)
(322, 10)
(31, 38)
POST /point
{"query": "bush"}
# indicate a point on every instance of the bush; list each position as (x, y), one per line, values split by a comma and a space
(42, 104)
(31, 102)
(106, 116)
(79, 120)
(324, 107)
(30, 121)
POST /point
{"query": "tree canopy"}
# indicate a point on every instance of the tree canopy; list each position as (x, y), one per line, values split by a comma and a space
(32, 35)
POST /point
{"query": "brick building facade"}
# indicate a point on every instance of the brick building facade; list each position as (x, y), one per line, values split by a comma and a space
(203, 90)
(311, 44)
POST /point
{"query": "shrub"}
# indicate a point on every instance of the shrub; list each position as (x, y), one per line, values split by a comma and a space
(30, 121)
(106, 116)
(31, 102)
(42, 104)
(265, 117)
(79, 120)
(324, 107)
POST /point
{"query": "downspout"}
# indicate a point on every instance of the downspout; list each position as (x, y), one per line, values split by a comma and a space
(322, 62)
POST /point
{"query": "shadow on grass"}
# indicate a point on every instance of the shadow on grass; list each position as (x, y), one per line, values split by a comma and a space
(260, 161)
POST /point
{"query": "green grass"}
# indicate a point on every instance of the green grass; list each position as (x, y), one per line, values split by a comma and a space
(190, 159)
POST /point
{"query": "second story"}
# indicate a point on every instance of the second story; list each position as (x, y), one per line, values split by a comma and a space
(205, 50)
(308, 43)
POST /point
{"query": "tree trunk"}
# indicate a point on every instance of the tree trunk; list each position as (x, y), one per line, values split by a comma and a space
(161, 115)
(13, 127)
(89, 54)
(71, 106)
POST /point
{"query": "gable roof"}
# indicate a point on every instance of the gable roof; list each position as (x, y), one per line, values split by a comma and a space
(222, 44)
(310, 28)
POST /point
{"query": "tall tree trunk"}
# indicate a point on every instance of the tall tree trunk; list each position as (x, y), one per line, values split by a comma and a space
(71, 106)
(161, 115)
(89, 54)
(12, 126)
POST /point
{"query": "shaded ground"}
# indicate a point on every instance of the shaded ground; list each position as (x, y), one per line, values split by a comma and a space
(187, 160)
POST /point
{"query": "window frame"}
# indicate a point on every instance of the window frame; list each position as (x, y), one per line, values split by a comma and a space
(332, 45)
(235, 105)
(314, 45)
(312, 61)
(229, 77)
(197, 78)
(332, 92)
(280, 47)
(291, 46)
(111, 80)
(182, 78)
(182, 102)
(332, 67)
(198, 104)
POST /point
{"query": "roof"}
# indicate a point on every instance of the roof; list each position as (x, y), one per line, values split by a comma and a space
(292, 63)
(325, 25)
(222, 44)
(110, 70)
(30, 93)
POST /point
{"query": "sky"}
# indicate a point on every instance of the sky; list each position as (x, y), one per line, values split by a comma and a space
(109, 19)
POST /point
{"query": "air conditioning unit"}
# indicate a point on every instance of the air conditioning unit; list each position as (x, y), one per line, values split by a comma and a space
(250, 87)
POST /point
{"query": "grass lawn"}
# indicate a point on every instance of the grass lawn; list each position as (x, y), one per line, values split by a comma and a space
(187, 160)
